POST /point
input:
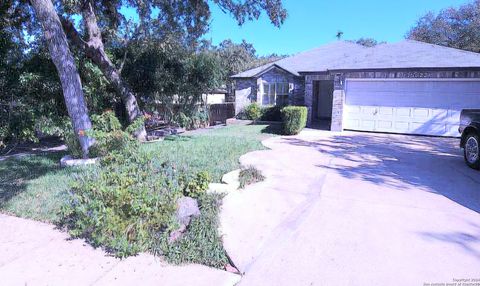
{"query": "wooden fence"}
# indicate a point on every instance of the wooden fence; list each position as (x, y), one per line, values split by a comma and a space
(219, 113)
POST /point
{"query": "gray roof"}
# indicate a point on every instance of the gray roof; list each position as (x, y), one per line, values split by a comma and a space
(343, 55)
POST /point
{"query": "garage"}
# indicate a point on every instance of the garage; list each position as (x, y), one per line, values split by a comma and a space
(409, 106)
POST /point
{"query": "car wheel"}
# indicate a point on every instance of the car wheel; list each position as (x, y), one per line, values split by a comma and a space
(471, 151)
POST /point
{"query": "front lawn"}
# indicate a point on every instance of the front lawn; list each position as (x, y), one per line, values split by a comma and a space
(36, 187)
(216, 151)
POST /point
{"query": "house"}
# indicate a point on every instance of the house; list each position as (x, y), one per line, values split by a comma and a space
(407, 87)
(216, 96)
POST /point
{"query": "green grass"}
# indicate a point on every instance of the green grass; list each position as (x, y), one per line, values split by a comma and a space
(36, 186)
(217, 151)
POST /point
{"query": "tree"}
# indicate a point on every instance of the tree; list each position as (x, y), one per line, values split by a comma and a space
(368, 42)
(170, 77)
(187, 19)
(339, 35)
(67, 70)
(453, 27)
(235, 58)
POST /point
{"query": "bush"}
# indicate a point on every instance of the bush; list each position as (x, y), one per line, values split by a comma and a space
(125, 205)
(197, 185)
(197, 119)
(108, 134)
(249, 176)
(182, 120)
(294, 119)
(253, 111)
(106, 122)
(271, 113)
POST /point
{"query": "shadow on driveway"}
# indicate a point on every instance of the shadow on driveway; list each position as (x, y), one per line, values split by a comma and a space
(399, 161)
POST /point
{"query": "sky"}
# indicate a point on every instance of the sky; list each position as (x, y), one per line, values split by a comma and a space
(311, 23)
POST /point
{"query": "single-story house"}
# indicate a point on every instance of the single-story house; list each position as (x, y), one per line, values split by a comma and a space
(406, 87)
(215, 96)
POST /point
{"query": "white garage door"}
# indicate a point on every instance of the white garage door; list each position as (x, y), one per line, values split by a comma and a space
(411, 106)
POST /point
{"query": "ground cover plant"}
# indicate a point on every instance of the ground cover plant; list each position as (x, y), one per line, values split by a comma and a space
(250, 175)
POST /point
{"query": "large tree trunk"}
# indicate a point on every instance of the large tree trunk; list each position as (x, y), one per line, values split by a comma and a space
(94, 49)
(67, 70)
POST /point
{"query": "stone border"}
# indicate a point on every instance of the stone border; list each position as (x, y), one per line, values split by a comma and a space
(68, 161)
(234, 121)
(230, 183)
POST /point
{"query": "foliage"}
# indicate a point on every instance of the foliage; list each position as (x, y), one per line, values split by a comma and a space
(107, 132)
(124, 205)
(202, 242)
(249, 176)
(253, 111)
(198, 118)
(198, 185)
(368, 42)
(451, 27)
(294, 119)
(237, 57)
(106, 122)
(171, 80)
(271, 113)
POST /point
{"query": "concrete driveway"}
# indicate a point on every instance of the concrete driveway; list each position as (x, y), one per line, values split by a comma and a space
(356, 209)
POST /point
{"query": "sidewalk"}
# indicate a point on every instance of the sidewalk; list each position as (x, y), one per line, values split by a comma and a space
(35, 253)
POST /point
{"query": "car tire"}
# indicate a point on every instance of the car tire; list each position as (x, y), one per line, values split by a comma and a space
(471, 150)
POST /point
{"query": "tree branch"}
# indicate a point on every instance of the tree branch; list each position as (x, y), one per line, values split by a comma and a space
(72, 33)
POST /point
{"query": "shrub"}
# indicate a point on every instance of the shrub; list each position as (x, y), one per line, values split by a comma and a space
(106, 122)
(124, 205)
(197, 185)
(253, 111)
(249, 176)
(271, 113)
(182, 120)
(294, 119)
(108, 134)
(198, 118)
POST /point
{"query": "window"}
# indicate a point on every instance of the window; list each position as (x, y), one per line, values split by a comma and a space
(275, 93)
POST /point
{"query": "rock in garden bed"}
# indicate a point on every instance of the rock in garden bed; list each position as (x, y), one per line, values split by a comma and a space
(187, 208)
(69, 161)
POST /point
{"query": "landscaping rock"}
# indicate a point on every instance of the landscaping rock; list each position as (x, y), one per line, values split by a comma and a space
(218, 188)
(68, 161)
(178, 130)
(232, 179)
(187, 208)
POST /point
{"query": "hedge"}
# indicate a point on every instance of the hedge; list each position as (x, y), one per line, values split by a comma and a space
(294, 119)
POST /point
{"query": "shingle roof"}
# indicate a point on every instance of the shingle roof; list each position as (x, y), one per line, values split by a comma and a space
(349, 56)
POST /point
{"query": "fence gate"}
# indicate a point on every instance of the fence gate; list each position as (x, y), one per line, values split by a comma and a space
(219, 113)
